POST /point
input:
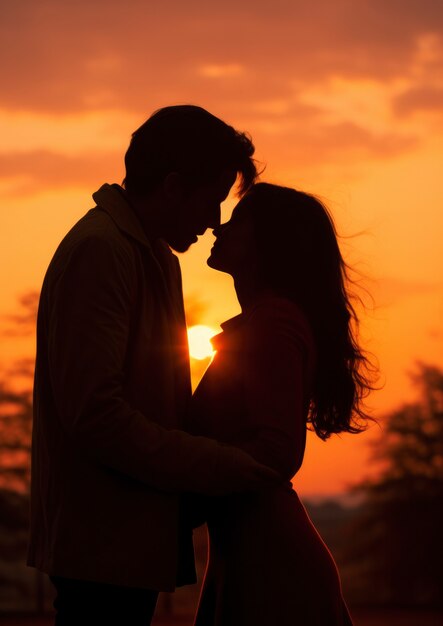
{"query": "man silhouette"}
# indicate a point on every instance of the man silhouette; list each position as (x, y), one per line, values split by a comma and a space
(109, 458)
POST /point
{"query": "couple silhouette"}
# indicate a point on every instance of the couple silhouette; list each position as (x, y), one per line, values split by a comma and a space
(125, 460)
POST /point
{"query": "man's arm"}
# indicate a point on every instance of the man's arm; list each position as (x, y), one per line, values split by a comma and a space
(89, 322)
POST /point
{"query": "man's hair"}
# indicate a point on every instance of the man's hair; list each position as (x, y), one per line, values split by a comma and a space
(191, 141)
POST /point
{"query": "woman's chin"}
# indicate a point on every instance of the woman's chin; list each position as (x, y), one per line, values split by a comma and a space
(214, 263)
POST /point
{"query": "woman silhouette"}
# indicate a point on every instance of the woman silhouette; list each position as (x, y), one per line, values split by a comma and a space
(288, 361)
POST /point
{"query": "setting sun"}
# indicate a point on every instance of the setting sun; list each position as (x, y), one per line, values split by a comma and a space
(199, 338)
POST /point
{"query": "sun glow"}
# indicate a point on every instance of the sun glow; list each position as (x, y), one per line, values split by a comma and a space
(199, 338)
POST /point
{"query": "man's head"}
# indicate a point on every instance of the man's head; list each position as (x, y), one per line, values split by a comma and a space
(191, 159)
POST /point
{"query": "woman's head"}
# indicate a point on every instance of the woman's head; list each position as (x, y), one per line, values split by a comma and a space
(287, 235)
(285, 242)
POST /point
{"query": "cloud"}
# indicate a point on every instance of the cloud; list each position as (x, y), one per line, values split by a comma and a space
(221, 70)
(24, 173)
(315, 84)
(292, 143)
(427, 98)
(84, 55)
(70, 134)
(305, 144)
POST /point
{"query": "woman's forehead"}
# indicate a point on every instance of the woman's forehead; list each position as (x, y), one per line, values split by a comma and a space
(243, 206)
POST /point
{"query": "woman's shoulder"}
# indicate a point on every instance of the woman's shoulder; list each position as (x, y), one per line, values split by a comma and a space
(275, 315)
(277, 308)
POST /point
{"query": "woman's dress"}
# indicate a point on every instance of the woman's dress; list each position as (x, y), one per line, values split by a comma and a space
(267, 564)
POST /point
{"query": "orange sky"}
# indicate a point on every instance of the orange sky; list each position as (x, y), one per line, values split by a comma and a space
(343, 99)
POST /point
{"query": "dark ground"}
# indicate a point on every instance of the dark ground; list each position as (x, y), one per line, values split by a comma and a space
(362, 617)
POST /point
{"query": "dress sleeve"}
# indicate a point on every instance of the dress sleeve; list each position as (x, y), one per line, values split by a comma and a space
(276, 386)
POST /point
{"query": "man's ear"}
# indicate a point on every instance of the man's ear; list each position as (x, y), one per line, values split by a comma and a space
(174, 187)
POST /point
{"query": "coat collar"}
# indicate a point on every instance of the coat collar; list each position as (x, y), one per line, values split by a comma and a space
(113, 200)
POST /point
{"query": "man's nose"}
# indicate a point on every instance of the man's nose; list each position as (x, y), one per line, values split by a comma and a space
(220, 228)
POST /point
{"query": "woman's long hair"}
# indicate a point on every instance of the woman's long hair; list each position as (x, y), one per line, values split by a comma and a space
(300, 259)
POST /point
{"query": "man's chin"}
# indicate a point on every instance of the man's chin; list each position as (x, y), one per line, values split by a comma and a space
(180, 248)
(182, 245)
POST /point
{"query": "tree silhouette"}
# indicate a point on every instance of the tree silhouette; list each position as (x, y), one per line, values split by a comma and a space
(397, 551)
(21, 587)
(16, 402)
(23, 322)
(15, 437)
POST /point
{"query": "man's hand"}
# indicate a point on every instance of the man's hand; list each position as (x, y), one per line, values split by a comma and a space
(238, 471)
(263, 476)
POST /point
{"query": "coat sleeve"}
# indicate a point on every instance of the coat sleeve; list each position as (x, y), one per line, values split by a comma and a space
(276, 388)
(89, 304)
